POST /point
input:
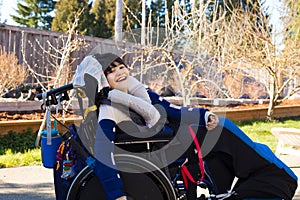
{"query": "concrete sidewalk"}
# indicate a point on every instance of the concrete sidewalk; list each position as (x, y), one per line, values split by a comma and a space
(297, 172)
(26, 183)
(36, 183)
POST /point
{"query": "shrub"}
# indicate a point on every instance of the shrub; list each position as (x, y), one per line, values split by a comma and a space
(18, 143)
(11, 73)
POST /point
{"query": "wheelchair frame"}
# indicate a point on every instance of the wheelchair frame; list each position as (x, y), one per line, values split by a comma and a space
(172, 188)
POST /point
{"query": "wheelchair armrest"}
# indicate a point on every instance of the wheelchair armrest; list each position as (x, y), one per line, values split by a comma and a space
(166, 134)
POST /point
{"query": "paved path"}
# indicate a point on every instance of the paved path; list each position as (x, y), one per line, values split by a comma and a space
(26, 183)
(36, 183)
(297, 172)
(294, 163)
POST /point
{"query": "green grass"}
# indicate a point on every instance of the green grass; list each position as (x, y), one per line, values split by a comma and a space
(27, 158)
(21, 152)
(259, 131)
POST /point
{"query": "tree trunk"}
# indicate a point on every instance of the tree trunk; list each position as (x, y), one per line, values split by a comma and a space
(273, 99)
(118, 21)
(143, 30)
(271, 107)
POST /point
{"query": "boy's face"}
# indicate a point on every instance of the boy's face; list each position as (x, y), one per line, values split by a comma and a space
(118, 77)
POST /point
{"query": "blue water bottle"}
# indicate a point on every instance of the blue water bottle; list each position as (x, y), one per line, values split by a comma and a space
(50, 142)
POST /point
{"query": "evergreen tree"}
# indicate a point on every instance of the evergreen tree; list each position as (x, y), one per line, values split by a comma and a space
(157, 9)
(104, 18)
(292, 20)
(132, 15)
(110, 14)
(34, 13)
(100, 27)
(229, 5)
(105, 12)
(66, 10)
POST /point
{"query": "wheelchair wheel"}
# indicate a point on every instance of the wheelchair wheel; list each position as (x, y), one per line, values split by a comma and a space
(143, 181)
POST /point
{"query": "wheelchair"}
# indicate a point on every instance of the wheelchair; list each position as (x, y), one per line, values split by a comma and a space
(142, 178)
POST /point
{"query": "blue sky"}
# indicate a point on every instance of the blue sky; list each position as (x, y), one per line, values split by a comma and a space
(8, 7)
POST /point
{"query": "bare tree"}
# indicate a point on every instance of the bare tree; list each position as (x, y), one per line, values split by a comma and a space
(64, 73)
(194, 54)
(59, 57)
(182, 55)
(249, 46)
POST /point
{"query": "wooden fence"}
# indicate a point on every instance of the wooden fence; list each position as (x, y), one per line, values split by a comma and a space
(34, 47)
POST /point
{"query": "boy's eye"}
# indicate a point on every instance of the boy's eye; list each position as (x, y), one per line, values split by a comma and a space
(108, 71)
(112, 70)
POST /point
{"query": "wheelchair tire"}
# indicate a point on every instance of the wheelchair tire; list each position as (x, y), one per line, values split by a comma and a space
(142, 180)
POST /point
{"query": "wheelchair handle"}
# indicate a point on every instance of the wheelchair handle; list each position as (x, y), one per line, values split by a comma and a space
(52, 95)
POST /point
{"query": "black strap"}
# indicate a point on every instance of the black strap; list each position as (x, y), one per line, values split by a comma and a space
(80, 106)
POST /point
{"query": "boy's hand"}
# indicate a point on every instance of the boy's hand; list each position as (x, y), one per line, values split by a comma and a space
(102, 96)
(212, 122)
